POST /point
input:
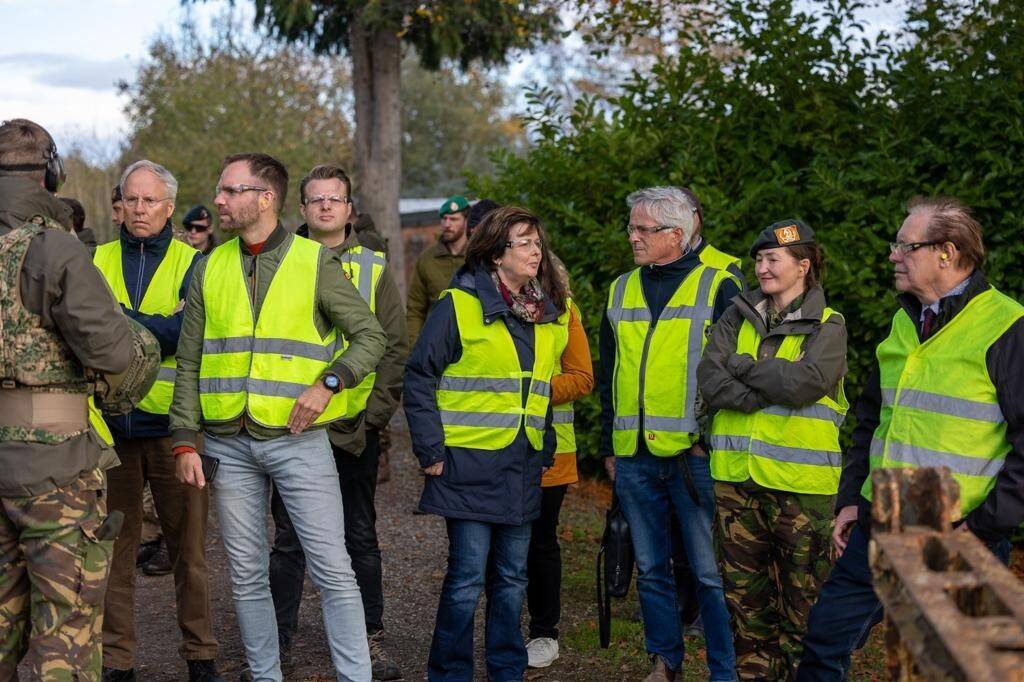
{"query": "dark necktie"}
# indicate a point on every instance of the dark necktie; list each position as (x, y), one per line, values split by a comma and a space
(927, 323)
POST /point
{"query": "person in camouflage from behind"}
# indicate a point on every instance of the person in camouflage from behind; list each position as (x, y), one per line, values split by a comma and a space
(772, 373)
(57, 318)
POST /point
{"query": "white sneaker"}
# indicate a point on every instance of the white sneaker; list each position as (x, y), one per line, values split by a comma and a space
(541, 652)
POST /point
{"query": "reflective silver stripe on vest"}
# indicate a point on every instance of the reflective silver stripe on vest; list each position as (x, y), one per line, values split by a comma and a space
(535, 422)
(479, 384)
(944, 404)
(562, 416)
(780, 453)
(925, 457)
(877, 447)
(630, 423)
(265, 387)
(366, 258)
(812, 411)
(271, 346)
(695, 348)
(166, 374)
(541, 388)
(487, 419)
(222, 385)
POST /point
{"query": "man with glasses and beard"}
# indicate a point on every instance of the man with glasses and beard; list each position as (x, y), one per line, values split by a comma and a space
(274, 341)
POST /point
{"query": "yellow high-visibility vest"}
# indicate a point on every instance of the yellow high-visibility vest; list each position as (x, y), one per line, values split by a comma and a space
(363, 267)
(480, 396)
(939, 405)
(161, 298)
(656, 362)
(562, 415)
(780, 447)
(260, 367)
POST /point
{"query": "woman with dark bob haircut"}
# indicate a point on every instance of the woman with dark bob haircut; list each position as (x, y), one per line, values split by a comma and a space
(477, 397)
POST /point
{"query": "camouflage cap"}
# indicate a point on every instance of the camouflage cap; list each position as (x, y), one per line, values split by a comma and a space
(125, 390)
(453, 204)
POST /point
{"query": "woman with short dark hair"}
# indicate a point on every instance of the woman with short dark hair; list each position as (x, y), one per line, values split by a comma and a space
(477, 398)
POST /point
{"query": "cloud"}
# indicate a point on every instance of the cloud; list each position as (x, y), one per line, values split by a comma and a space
(69, 71)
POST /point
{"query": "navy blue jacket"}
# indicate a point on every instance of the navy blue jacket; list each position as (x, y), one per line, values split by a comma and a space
(480, 485)
(139, 260)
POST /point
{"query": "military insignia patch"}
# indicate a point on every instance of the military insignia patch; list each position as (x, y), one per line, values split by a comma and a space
(453, 206)
(787, 234)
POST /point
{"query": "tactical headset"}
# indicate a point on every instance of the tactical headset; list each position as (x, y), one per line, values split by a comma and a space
(54, 175)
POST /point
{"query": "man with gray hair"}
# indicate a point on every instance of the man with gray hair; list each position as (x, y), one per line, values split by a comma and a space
(652, 337)
(149, 272)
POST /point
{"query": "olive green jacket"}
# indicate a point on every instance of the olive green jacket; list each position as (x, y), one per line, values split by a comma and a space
(434, 270)
(338, 304)
(729, 380)
(349, 434)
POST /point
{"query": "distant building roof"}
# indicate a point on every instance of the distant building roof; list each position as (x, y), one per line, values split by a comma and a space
(410, 205)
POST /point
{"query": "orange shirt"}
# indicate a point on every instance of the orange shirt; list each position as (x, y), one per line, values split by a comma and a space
(575, 381)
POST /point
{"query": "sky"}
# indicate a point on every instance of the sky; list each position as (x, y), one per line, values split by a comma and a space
(60, 60)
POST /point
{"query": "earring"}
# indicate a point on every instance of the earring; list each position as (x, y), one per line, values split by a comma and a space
(944, 257)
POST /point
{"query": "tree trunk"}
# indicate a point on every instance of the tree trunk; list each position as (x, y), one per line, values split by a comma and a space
(376, 71)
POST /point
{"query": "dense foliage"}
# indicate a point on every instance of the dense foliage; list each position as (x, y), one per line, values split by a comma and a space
(769, 112)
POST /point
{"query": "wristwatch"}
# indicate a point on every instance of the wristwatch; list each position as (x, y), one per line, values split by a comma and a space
(331, 382)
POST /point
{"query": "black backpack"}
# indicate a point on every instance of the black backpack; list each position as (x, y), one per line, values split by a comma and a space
(616, 559)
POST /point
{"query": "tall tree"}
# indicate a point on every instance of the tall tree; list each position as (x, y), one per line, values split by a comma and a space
(372, 33)
(199, 98)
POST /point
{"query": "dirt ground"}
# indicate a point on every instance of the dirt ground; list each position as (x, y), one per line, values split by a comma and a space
(414, 550)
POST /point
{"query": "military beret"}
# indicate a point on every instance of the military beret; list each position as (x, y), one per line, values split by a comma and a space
(789, 232)
(453, 204)
(195, 213)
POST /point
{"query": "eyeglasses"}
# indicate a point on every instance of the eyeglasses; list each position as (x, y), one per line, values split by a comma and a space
(235, 190)
(647, 231)
(322, 201)
(525, 244)
(192, 227)
(147, 203)
(904, 248)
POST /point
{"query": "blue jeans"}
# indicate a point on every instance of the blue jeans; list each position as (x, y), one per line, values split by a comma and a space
(302, 469)
(845, 612)
(482, 557)
(649, 488)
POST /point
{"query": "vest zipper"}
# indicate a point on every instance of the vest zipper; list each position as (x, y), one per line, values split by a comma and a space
(252, 310)
(643, 371)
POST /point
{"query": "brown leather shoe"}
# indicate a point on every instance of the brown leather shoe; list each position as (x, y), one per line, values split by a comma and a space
(660, 672)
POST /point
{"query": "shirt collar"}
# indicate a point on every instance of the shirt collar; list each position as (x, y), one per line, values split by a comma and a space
(955, 291)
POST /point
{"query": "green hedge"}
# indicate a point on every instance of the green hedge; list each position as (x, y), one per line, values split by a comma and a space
(771, 113)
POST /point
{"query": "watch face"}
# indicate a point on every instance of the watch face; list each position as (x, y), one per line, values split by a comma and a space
(331, 382)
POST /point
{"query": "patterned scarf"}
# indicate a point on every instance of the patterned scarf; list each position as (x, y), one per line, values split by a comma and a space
(527, 305)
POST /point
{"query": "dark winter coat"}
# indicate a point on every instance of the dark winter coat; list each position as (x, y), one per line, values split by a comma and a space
(480, 485)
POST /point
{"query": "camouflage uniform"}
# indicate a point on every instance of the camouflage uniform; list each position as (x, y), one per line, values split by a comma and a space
(774, 549)
(54, 546)
(55, 572)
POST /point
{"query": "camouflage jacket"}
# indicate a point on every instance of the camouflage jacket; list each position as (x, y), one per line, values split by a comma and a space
(59, 284)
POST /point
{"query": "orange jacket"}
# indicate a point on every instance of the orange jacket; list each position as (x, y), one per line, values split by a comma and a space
(575, 381)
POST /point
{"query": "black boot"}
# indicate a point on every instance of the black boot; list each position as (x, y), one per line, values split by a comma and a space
(203, 671)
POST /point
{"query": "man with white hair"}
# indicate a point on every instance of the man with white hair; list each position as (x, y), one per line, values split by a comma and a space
(652, 337)
(149, 272)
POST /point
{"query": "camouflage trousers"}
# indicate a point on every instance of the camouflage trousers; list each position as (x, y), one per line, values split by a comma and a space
(774, 551)
(52, 582)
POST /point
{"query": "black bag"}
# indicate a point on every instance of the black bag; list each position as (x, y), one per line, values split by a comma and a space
(616, 559)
